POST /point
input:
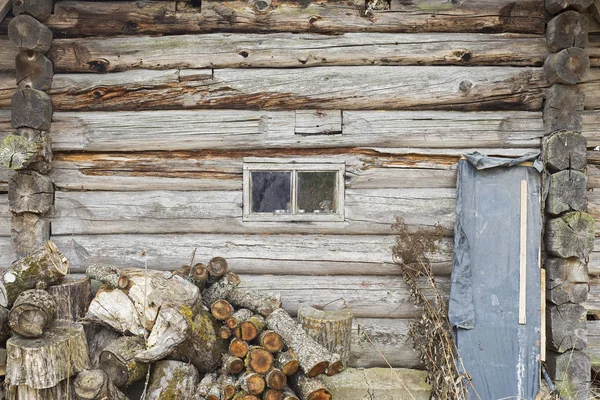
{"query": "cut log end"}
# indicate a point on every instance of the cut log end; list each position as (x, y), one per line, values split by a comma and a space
(32, 311)
(217, 267)
(221, 309)
(238, 348)
(259, 360)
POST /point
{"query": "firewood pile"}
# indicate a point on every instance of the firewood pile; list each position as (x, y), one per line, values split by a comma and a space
(186, 334)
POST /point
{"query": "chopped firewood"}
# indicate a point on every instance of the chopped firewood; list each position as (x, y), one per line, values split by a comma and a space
(276, 379)
(238, 348)
(170, 330)
(335, 365)
(287, 362)
(172, 380)
(243, 395)
(118, 361)
(199, 275)
(221, 288)
(208, 381)
(288, 394)
(110, 275)
(32, 311)
(238, 317)
(221, 309)
(272, 394)
(224, 332)
(98, 338)
(252, 383)
(252, 327)
(259, 360)
(231, 364)
(94, 384)
(271, 341)
(309, 388)
(214, 393)
(227, 383)
(113, 308)
(217, 267)
(259, 302)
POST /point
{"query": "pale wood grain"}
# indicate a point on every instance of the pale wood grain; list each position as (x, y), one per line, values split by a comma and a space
(5, 216)
(591, 89)
(8, 52)
(7, 256)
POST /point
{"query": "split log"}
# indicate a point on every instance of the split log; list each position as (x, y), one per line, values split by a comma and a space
(34, 70)
(28, 233)
(565, 150)
(238, 348)
(259, 360)
(259, 302)
(29, 34)
(570, 372)
(566, 327)
(232, 365)
(227, 383)
(287, 362)
(108, 275)
(571, 235)
(29, 191)
(43, 363)
(276, 379)
(118, 361)
(312, 357)
(172, 380)
(271, 341)
(331, 329)
(288, 394)
(98, 338)
(221, 309)
(217, 267)
(251, 328)
(567, 192)
(309, 388)
(562, 109)
(94, 384)
(272, 394)
(31, 108)
(556, 6)
(32, 311)
(252, 383)
(113, 308)
(72, 298)
(221, 288)
(46, 266)
(208, 381)
(568, 29)
(224, 332)
(170, 330)
(238, 317)
(568, 66)
(38, 9)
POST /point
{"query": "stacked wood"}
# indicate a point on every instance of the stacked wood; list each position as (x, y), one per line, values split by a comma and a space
(94, 384)
(172, 380)
(32, 311)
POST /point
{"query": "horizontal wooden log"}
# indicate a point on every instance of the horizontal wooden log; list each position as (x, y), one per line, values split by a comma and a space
(5, 216)
(593, 347)
(8, 52)
(593, 203)
(265, 254)
(367, 211)
(450, 88)
(116, 18)
(557, 6)
(285, 50)
(592, 305)
(591, 88)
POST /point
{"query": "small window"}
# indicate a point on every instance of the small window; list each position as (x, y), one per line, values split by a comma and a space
(293, 191)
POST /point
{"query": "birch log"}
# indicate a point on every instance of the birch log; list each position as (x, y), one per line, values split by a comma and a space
(172, 380)
(221, 288)
(32, 311)
(262, 303)
(109, 275)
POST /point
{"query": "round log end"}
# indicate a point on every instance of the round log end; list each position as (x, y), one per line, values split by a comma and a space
(118, 372)
(123, 282)
(256, 384)
(217, 266)
(321, 394)
(238, 348)
(89, 383)
(276, 379)
(568, 66)
(318, 369)
(260, 360)
(59, 263)
(290, 367)
(271, 341)
(248, 331)
(224, 332)
(335, 368)
(221, 309)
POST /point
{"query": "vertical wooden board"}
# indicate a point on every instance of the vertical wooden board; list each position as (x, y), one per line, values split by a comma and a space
(543, 315)
(523, 256)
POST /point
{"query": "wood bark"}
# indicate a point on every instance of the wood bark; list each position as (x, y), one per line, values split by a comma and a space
(43, 363)
(38, 9)
(567, 192)
(29, 232)
(287, 362)
(565, 150)
(251, 328)
(31, 108)
(262, 303)
(259, 360)
(569, 29)
(271, 341)
(571, 235)
(221, 288)
(238, 317)
(309, 388)
(32, 311)
(288, 394)
(570, 371)
(72, 298)
(238, 348)
(30, 191)
(27, 33)
(34, 70)
(566, 327)
(206, 383)
(232, 365)
(172, 380)
(46, 266)
(562, 109)
(98, 338)
(111, 276)
(94, 384)
(275, 379)
(118, 361)
(252, 383)
(556, 6)
(221, 309)
(568, 66)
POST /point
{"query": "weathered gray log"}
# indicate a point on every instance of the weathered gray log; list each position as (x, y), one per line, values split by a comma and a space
(30, 191)
(258, 360)
(72, 298)
(29, 34)
(251, 328)
(332, 329)
(562, 108)
(38, 9)
(221, 309)
(118, 361)
(556, 6)
(566, 327)
(221, 288)
(565, 150)
(309, 388)
(238, 317)
(32, 311)
(571, 235)
(109, 275)
(94, 384)
(568, 66)
(252, 383)
(288, 394)
(29, 232)
(46, 266)
(17, 152)
(287, 362)
(312, 357)
(231, 364)
(568, 29)
(34, 70)
(566, 280)
(570, 372)
(206, 383)
(31, 108)
(271, 341)
(275, 379)
(259, 302)
(227, 384)
(172, 380)
(98, 338)
(44, 362)
(170, 330)
(238, 348)
(567, 192)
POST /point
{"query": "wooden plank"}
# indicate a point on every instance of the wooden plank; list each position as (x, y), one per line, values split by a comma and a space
(367, 211)
(591, 127)
(594, 262)
(449, 88)
(8, 52)
(543, 314)
(593, 206)
(591, 88)
(8, 86)
(523, 256)
(592, 304)
(593, 49)
(593, 347)
(5, 216)
(7, 256)
(74, 18)
(287, 50)
(248, 254)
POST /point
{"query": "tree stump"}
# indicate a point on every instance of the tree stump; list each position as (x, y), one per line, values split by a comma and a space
(309, 388)
(562, 109)
(172, 380)
(556, 6)
(32, 311)
(34, 70)
(94, 384)
(38, 9)
(568, 66)
(44, 362)
(118, 361)
(62, 391)
(567, 192)
(566, 327)
(565, 150)
(259, 302)
(46, 266)
(30, 192)
(72, 298)
(27, 33)
(569, 29)
(31, 108)
(571, 235)
(29, 232)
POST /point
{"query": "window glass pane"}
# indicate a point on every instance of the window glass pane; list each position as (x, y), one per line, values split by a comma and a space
(316, 192)
(271, 192)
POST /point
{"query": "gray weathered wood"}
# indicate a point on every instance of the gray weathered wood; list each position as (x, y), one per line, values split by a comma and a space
(30, 192)
(38, 9)
(568, 29)
(566, 327)
(285, 50)
(7, 256)
(8, 51)
(34, 70)
(5, 216)
(565, 150)
(566, 192)
(5, 6)
(570, 373)
(29, 232)
(31, 108)
(117, 18)
(72, 297)
(568, 66)
(32, 311)
(592, 305)
(593, 347)
(17, 152)
(94, 384)
(172, 379)
(591, 88)
(595, 10)
(562, 108)
(556, 6)
(117, 360)
(27, 33)
(571, 235)
(566, 280)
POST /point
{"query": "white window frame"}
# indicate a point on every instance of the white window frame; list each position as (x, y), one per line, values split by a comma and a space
(293, 165)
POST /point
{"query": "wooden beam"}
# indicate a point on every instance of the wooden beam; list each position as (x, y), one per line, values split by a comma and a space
(5, 6)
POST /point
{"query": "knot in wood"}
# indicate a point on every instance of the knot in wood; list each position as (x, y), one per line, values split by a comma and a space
(100, 65)
(465, 86)
(262, 5)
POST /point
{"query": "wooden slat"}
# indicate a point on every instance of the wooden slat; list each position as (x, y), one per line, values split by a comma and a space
(8, 52)
(591, 127)
(593, 302)
(284, 50)
(75, 18)
(5, 216)
(253, 254)
(367, 211)
(375, 87)
(593, 346)
(591, 88)
(523, 255)
(7, 256)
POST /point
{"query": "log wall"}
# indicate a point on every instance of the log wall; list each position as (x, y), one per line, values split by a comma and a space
(157, 104)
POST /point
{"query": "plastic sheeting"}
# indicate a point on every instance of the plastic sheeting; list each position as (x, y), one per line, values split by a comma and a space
(501, 356)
